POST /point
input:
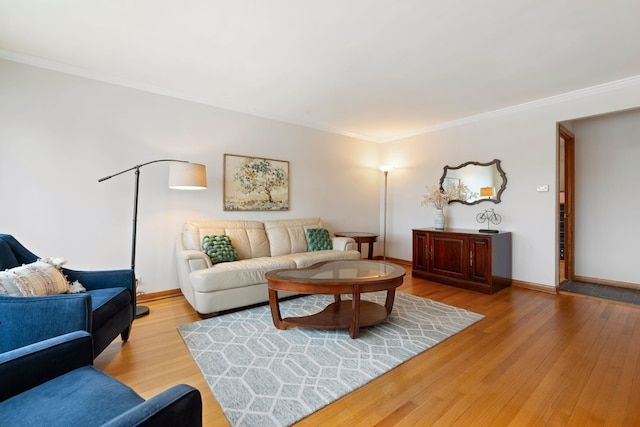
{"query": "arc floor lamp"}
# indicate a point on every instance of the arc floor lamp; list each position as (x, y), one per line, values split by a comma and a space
(182, 176)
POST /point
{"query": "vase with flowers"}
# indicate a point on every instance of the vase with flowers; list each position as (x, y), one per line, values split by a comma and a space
(439, 197)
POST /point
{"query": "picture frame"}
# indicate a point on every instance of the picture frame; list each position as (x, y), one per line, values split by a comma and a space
(255, 184)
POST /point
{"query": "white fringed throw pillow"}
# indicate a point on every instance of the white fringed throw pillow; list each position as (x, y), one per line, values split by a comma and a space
(39, 278)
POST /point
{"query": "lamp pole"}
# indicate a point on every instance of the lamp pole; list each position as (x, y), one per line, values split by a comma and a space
(385, 169)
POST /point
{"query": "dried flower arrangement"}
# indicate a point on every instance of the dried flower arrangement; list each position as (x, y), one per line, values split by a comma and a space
(439, 197)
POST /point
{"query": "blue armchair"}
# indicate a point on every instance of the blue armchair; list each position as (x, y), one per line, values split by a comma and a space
(53, 383)
(106, 310)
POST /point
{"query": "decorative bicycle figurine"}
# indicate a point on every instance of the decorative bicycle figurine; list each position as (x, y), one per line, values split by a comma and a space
(490, 217)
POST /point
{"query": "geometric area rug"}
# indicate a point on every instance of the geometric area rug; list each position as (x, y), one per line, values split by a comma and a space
(263, 376)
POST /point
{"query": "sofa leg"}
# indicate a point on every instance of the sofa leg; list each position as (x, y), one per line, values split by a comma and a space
(125, 334)
(208, 315)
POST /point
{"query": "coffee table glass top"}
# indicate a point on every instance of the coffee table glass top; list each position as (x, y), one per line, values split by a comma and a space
(343, 270)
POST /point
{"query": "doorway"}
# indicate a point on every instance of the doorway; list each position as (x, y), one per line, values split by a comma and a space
(566, 205)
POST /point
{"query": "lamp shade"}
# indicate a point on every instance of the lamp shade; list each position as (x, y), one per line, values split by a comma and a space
(386, 168)
(187, 176)
(487, 192)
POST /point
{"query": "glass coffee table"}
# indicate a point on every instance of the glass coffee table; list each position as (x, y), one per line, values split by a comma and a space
(337, 278)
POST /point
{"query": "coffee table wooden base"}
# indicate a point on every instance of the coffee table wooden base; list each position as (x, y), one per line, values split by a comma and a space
(341, 314)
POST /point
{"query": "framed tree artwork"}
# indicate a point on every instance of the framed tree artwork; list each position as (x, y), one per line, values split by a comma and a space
(255, 184)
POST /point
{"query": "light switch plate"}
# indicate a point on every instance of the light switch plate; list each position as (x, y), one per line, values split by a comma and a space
(544, 187)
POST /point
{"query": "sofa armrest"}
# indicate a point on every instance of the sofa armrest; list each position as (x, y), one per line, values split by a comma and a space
(181, 405)
(103, 279)
(26, 320)
(190, 259)
(344, 244)
(29, 366)
(194, 260)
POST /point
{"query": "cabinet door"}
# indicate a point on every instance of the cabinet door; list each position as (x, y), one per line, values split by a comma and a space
(419, 250)
(480, 261)
(449, 255)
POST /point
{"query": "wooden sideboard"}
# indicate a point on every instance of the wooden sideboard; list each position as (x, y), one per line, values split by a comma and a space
(464, 258)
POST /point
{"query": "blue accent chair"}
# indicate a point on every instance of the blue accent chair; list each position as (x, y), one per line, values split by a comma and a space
(53, 383)
(106, 310)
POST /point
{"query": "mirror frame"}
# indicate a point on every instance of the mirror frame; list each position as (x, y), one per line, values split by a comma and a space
(503, 175)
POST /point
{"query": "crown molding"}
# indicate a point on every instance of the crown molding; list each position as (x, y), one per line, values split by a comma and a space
(105, 78)
(93, 75)
(564, 97)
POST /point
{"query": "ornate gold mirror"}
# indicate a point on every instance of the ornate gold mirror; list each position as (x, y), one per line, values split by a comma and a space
(475, 182)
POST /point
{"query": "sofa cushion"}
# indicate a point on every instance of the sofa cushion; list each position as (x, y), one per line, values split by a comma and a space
(248, 237)
(306, 259)
(106, 303)
(219, 249)
(84, 393)
(318, 239)
(229, 275)
(289, 236)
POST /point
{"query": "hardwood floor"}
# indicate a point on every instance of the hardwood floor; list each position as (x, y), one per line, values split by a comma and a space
(536, 359)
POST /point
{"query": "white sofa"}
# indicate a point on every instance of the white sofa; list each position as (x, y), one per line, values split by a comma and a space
(261, 246)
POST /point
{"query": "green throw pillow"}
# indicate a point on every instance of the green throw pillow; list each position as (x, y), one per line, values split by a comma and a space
(319, 239)
(219, 248)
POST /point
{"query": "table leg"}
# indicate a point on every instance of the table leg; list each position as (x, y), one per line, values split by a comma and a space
(391, 296)
(370, 250)
(275, 310)
(354, 328)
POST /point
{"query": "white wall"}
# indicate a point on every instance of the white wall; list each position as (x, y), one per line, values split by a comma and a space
(607, 196)
(59, 134)
(525, 140)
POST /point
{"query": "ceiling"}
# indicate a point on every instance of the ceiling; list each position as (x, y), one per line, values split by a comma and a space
(373, 69)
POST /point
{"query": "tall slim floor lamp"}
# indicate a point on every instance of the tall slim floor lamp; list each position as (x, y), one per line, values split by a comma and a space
(385, 169)
(182, 176)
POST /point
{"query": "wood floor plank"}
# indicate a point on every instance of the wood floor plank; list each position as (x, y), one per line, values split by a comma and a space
(535, 359)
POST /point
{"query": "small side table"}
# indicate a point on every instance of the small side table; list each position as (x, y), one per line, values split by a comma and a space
(361, 238)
